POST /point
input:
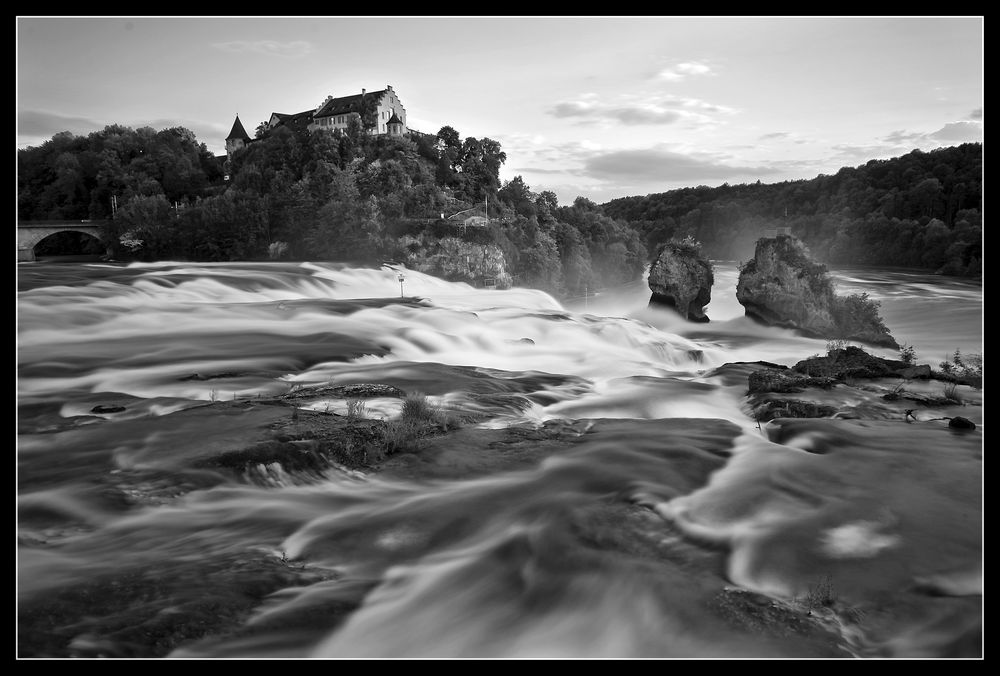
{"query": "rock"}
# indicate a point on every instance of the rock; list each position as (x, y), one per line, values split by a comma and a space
(921, 372)
(922, 399)
(958, 422)
(849, 362)
(107, 409)
(774, 380)
(352, 391)
(368, 390)
(457, 260)
(769, 409)
(210, 376)
(783, 286)
(681, 278)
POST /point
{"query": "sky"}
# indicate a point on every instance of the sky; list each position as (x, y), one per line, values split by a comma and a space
(599, 107)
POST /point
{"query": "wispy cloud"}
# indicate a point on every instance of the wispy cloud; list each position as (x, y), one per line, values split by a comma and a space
(41, 123)
(976, 114)
(953, 132)
(774, 135)
(653, 109)
(289, 50)
(34, 127)
(903, 136)
(684, 70)
(661, 164)
(541, 170)
(850, 152)
(959, 131)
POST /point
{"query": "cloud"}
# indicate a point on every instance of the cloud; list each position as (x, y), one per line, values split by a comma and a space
(654, 109)
(959, 131)
(631, 115)
(976, 114)
(35, 127)
(775, 134)
(290, 50)
(902, 136)
(658, 164)
(540, 170)
(684, 70)
(952, 132)
(40, 123)
(869, 152)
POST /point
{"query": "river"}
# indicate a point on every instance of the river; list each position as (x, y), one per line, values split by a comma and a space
(607, 494)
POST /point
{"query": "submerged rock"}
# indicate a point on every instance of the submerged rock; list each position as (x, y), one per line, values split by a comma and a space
(958, 422)
(921, 372)
(783, 286)
(107, 409)
(769, 409)
(784, 380)
(681, 278)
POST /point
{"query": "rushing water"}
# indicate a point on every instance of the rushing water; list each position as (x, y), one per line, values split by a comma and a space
(639, 512)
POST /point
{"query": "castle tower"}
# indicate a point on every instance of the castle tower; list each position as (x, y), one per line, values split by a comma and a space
(394, 127)
(238, 138)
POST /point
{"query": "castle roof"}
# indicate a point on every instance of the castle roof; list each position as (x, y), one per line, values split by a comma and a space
(346, 104)
(295, 120)
(394, 119)
(238, 131)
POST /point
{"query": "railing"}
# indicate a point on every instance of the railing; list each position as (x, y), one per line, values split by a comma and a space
(96, 223)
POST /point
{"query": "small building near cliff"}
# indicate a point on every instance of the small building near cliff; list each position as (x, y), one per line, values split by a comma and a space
(771, 233)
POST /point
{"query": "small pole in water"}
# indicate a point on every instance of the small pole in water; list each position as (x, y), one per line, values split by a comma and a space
(400, 278)
(586, 299)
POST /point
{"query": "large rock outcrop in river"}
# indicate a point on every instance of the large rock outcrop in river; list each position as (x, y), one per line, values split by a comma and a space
(681, 278)
(458, 260)
(783, 286)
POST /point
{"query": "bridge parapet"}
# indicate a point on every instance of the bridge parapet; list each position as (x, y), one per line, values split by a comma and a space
(30, 234)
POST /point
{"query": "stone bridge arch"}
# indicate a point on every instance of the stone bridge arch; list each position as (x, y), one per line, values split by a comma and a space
(29, 235)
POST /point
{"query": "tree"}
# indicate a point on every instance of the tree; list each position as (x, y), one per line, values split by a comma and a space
(518, 196)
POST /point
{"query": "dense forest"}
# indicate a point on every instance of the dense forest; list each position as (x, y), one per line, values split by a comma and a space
(922, 210)
(318, 195)
(352, 196)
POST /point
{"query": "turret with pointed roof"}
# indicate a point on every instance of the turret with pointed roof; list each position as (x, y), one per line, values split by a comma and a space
(394, 126)
(238, 138)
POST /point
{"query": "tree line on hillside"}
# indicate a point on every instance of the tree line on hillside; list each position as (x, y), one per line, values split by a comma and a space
(292, 193)
(921, 210)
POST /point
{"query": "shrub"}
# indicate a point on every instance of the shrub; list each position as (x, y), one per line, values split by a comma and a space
(356, 409)
(951, 393)
(834, 345)
(821, 595)
(907, 354)
(857, 312)
(416, 408)
(277, 249)
(687, 245)
(964, 366)
(399, 435)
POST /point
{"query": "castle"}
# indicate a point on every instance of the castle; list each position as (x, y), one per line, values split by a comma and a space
(383, 107)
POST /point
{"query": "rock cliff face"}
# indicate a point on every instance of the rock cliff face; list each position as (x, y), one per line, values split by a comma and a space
(681, 278)
(458, 261)
(783, 286)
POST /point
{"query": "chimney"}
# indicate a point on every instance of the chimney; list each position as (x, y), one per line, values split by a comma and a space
(362, 91)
